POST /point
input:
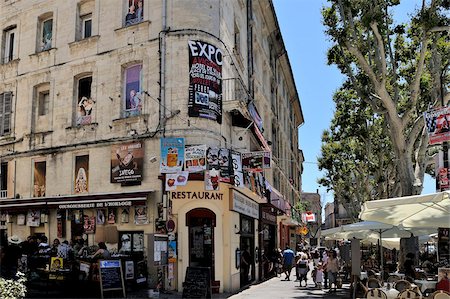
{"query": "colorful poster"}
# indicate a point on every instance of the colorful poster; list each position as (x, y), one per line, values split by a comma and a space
(33, 218)
(101, 216)
(238, 175)
(255, 161)
(438, 125)
(112, 212)
(81, 174)
(39, 179)
(176, 179)
(127, 162)
(88, 224)
(172, 155)
(212, 179)
(195, 158)
(205, 81)
(140, 215)
(132, 92)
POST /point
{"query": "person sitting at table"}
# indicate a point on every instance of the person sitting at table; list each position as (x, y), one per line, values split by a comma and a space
(408, 266)
(443, 282)
(102, 252)
(370, 263)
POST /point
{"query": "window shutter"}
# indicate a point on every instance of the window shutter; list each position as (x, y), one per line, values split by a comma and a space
(5, 113)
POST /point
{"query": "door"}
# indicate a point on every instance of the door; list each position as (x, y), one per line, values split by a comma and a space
(201, 223)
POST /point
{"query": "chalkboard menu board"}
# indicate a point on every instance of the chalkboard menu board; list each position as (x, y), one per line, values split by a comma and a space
(197, 283)
(111, 276)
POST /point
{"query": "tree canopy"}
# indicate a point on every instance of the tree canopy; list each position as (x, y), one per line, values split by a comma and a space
(377, 144)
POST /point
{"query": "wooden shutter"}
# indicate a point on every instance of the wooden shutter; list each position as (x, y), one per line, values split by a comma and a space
(5, 113)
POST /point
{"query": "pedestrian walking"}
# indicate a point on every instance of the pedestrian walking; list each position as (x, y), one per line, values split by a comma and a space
(318, 275)
(303, 270)
(288, 261)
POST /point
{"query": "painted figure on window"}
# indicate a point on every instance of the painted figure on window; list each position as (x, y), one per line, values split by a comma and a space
(130, 18)
(47, 35)
(134, 103)
(135, 12)
(84, 113)
(81, 181)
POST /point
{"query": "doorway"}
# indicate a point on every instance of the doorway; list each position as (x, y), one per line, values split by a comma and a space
(201, 223)
(247, 247)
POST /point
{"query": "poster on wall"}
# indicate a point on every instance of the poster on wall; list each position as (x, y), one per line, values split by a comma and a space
(205, 81)
(172, 155)
(88, 224)
(101, 216)
(238, 175)
(140, 215)
(112, 212)
(256, 161)
(212, 179)
(195, 158)
(127, 161)
(81, 174)
(39, 179)
(21, 219)
(33, 218)
(176, 179)
(60, 223)
(125, 215)
(437, 122)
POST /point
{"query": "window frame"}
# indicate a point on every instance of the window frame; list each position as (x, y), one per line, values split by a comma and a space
(5, 114)
(84, 19)
(42, 46)
(131, 112)
(43, 98)
(9, 49)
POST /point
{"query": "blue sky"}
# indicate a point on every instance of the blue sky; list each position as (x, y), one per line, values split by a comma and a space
(306, 43)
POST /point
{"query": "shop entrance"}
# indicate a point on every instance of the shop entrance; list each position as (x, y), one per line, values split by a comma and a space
(247, 246)
(201, 223)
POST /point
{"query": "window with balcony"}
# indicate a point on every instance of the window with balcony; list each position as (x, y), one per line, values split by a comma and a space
(135, 13)
(46, 33)
(132, 105)
(5, 113)
(9, 44)
(85, 104)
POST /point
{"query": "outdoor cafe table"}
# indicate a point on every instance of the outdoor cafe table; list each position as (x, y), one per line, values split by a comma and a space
(425, 285)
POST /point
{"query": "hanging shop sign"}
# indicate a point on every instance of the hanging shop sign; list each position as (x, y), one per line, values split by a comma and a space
(195, 158)
(127, 161)
(205, 81)
(244, 205)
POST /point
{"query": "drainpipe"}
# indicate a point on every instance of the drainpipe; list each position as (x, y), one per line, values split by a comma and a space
(250, 49)
(162, 68)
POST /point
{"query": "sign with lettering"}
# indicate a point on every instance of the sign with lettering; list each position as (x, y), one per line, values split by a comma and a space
(91, 205)
(197, 282)
(127, 161)
(245, 205)
(111, 277)
(196, 195)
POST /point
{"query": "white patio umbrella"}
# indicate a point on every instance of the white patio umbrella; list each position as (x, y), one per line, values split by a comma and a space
(372, 230)
(410, 212)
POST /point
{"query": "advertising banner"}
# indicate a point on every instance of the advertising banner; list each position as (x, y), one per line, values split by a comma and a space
(172, 155)
(255, 161)
(205, 81)
(127, 162)
(438, 125)
(238, 175)
(195, 158)
(442, 173)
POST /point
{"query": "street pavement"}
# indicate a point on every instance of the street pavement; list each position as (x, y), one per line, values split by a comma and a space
(279, 288)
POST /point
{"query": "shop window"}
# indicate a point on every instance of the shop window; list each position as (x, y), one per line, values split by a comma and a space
(131, 242)
(85, 103)
(5, 113)
(39, 179)
(46, 33)
(3, 179)
(132, 91)
(135, 12)
(9, 46)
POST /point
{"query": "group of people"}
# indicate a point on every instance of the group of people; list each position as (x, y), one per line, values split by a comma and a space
(325, 269)
(35, 252)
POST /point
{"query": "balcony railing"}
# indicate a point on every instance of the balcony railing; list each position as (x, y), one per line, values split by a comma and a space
(233, 89)
(3, 193)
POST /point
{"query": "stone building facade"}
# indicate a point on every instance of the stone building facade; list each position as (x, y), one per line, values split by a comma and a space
(88, 87)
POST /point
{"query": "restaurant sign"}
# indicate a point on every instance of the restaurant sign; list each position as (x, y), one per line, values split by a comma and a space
(244, 205)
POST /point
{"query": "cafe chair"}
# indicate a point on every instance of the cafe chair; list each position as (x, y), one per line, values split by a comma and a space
(401, 285)
(376, 294)
(409, 294)
(373, 283)
(440, 295)
(393, 278)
